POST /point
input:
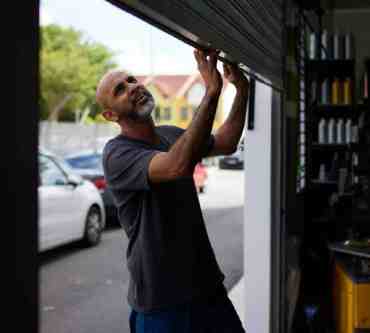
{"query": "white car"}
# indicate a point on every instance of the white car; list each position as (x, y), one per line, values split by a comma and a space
(70, 208)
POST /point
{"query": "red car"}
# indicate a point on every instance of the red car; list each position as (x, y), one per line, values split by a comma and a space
(200, 175)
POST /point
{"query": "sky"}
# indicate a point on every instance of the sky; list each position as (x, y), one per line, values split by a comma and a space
(138, 47)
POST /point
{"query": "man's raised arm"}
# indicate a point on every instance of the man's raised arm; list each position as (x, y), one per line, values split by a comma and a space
(181, 159)
(228, 135)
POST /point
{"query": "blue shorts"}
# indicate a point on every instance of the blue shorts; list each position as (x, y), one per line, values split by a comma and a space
(217, 315)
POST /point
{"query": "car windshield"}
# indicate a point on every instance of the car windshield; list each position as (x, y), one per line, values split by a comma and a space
(64, 165)
(93, 161)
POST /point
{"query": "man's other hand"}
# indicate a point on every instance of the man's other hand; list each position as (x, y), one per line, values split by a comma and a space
(207, 66)
(235, 76)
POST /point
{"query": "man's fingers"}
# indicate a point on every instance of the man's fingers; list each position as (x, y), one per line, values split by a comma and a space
(213, 58)
(200, 57)
(196, 55)
(227, 71)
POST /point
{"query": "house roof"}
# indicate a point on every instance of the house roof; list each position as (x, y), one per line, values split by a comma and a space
(172, 85)
(168, 84)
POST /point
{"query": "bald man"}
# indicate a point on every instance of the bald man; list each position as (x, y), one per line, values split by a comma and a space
(176, 284)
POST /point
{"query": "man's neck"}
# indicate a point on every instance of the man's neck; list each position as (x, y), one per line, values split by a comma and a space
(144, 131)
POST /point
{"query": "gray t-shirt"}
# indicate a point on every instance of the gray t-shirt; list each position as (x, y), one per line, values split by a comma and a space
(169, 256)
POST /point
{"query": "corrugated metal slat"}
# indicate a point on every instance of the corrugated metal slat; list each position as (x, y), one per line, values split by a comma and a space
(249, 31)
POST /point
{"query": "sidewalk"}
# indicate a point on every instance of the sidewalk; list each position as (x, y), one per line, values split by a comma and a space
(236, 295)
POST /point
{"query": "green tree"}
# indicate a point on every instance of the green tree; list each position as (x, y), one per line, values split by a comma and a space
(70, 68)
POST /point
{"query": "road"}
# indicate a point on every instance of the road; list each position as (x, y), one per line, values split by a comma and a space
(84, 290)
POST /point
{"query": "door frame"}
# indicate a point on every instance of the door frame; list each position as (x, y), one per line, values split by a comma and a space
(25, 168)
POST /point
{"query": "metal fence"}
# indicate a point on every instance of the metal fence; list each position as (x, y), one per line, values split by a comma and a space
(65, 138)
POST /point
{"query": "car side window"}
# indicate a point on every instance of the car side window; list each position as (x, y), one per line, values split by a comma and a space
(50, 173)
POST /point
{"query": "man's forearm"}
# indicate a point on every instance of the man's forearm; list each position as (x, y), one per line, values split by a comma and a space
(188, 149)
(232, 129)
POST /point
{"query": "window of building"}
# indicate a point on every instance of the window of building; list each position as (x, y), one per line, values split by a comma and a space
(157, 113)
(194, 110)
(196, 94)
(184, 113)
(167, 113)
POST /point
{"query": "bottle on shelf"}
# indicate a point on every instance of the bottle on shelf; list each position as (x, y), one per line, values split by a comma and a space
(322, 173)
(325, 91)
(332, 131)
(365, 85)
(324, 44)
(341, 91)
(354, 134)
(348, 130)
(333, 173)
(355, 163)
(342, 180)
(335, 91)
(312, 47)
(340, 131)
(313, 90)
(347, 91)
(322, 137)
(336, 52)
(348, 46)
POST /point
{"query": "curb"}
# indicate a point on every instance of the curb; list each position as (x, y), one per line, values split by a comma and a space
(236, 295)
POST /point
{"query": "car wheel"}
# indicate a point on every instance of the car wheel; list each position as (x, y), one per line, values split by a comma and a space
(93, 228)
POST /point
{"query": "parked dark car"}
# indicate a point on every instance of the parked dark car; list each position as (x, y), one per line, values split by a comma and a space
(88, 164)
(233, 161)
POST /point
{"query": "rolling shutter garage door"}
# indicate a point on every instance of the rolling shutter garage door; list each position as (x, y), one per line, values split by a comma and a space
(247, 31)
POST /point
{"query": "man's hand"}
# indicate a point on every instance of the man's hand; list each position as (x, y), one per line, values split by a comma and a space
(235, 76)
(208, 69)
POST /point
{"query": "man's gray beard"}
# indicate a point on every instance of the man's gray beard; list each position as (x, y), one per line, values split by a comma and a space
(144, 112)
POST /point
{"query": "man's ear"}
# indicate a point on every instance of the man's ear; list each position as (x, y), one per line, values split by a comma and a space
(110, 115)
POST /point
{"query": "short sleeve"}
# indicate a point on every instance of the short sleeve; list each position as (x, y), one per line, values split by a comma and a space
(174, 132)
(126, 168)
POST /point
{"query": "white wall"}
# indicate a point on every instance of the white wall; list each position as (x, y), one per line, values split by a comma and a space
(257, 215)
(227, 100)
